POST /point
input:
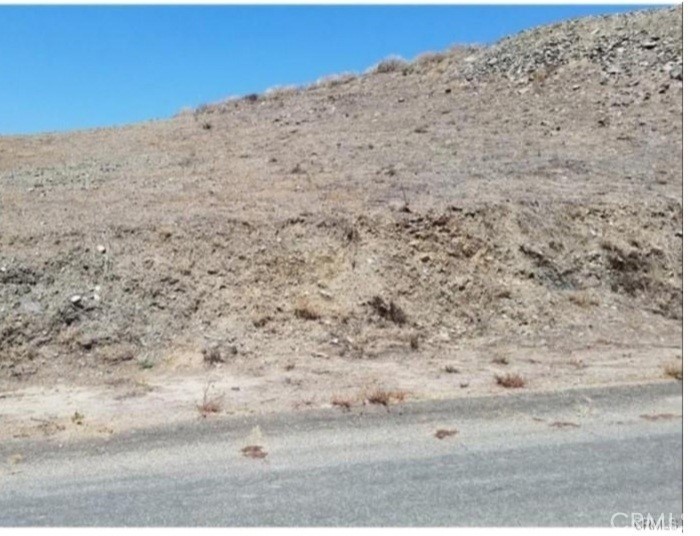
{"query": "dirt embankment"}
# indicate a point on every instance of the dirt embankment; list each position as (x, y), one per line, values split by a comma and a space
(512, 206)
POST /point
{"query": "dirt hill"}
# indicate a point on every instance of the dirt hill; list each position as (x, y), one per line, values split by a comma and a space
(514, 208)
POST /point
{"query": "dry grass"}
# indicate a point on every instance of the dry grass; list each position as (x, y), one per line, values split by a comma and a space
(384, 397)
(278, 92)
(674, 370)
(451, 370)
(334, 80)
(583, 300)
(390, 65)
(210, 405)
(342, 402)
(510, 381)
(306, 310)
(500, 360)
(429, 58)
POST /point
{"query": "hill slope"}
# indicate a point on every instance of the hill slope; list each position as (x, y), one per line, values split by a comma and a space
(519, 202)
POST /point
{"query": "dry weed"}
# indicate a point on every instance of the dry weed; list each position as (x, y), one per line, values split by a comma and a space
(305, 310)
(342, 402)
(384, 398)
(674, 370)
(583, 300)
(390, 65)
(210, 405)
(510, 381)
(390, 311)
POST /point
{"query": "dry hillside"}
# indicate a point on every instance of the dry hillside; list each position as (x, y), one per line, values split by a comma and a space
(513, 208)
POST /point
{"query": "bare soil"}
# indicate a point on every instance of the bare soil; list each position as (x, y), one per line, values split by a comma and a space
(421, 228)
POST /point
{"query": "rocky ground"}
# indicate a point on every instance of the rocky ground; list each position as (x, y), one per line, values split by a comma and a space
(418, 229)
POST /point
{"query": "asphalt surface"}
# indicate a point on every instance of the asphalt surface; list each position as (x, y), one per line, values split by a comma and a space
(566, 459)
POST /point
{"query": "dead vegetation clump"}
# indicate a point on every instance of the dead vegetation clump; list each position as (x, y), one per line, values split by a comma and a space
(674, 370)
(510, 381)
(390, 65)
(390, 311)
(342, 402)
(584, 300)
(384, 397)
(306, 310)
(218, 352)
(210, 405)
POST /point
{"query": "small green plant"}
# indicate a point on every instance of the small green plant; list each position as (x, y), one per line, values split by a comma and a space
(146, 364)
(77, 418)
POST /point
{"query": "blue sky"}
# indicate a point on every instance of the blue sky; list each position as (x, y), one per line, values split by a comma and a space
(72, 67)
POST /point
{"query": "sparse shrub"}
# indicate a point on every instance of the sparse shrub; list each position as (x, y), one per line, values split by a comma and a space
(390, 65)
(451, 370)
(583, 300)
(210, 405)
(77, 418)
(429, 58)
(500, 360)
(389, 311)
(414, 341)
(212, 355)
(251, 97)
(218, 352)
(203, 109)
(279, 92)
(261, 320)
(674, 370)
(384, 398)
(305, 310)
(342, 402)
(335, 80)
(510, 381)
(146, 364)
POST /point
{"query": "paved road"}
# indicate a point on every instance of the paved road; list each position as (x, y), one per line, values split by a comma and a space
(572, 459)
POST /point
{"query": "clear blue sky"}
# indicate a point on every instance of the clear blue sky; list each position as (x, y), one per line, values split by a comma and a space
(76, 67)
